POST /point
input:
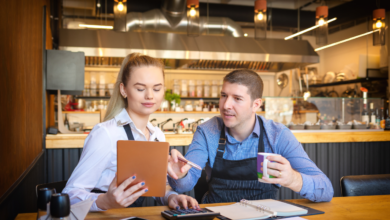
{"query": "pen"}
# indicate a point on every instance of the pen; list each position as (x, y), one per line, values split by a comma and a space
(189, 163)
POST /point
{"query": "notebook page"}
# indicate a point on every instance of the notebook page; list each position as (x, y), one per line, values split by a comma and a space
(282, 209)
(238, 211)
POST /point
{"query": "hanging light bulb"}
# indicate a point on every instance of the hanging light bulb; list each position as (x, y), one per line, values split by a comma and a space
(322, 23)
(378, 23)
(192, 12)
(260, 19)
(193, 22)
(260, 16)
(120, 6)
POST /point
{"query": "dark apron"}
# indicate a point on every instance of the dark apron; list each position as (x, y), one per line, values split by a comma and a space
(140, 200)
(233, 180)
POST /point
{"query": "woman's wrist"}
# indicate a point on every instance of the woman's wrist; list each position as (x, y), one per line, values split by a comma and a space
(101, 202)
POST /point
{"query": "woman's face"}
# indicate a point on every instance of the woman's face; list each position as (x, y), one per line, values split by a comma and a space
(144, 90)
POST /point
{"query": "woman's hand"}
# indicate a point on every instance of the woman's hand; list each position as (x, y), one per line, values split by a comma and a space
(176, 201)
(119, 196)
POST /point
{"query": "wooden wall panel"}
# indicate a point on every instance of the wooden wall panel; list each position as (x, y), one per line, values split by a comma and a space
(21, 86)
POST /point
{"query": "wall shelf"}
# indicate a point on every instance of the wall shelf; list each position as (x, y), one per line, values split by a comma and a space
(348, 82)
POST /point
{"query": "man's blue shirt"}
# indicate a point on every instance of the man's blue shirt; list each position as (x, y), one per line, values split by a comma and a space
(277, 139)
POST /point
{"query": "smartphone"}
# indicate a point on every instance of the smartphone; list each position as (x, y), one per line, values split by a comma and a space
(133, 218)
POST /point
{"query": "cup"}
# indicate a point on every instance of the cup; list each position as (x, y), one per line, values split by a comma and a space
(262, 158)
(60, 206)
(44, 197)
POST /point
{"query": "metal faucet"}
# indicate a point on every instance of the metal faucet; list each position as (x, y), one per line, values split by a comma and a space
(178, 124)
(151, 121)
(196, 124)
(163, 123)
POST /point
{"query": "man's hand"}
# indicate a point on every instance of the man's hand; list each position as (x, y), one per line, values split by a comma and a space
(284, 173)
(176, 201)
(176, 168)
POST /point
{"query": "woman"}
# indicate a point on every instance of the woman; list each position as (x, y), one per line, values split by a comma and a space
(138, 92)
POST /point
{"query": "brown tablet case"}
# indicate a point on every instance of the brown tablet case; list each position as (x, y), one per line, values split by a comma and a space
(147, 160)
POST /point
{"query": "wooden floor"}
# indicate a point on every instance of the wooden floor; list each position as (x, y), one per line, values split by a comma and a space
(358, 207)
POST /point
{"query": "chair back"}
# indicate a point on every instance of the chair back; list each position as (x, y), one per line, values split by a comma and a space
(58, 186)
(201, 187)
(365, 185)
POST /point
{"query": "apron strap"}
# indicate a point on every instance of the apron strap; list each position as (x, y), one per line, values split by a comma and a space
(128, 132)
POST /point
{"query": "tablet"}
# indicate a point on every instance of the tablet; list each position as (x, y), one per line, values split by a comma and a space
(147, 160)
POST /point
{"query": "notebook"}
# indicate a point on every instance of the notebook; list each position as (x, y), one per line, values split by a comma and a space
(258, 209)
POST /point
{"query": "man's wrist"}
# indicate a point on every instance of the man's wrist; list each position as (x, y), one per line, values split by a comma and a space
(297, 183)
(101, 202)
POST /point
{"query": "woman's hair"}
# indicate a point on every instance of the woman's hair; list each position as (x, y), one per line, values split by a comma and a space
(131, 61)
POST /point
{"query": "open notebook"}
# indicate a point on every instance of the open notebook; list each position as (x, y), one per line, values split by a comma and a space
(258, 209)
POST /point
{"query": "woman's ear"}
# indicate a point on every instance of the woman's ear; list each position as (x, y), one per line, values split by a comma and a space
(122, 90)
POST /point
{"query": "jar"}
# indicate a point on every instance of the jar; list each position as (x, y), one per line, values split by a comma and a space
(206, 88)
(110, 88)
(86, 91)
(176, 87)
(214, 89)
(184, 91)
(199, 88)
(220, 88)
(102, 89)
(93, 89)
(191, 88)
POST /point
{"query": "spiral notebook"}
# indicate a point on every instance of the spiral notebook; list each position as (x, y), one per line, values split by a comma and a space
(258, 209)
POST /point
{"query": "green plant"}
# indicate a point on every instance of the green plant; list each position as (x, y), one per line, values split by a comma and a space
(169, 96)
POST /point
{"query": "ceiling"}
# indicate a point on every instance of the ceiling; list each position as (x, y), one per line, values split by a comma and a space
(283, 4)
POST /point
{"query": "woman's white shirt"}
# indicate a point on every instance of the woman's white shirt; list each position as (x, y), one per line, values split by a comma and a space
(97, 166)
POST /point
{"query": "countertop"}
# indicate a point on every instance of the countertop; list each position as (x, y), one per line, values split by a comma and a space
(313, 136)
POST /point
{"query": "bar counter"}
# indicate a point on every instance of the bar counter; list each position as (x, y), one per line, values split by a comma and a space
(305, 137)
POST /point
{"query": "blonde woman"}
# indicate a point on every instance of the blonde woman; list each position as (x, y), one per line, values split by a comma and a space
(138, 92)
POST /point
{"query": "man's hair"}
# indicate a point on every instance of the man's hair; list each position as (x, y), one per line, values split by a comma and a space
(247, 78)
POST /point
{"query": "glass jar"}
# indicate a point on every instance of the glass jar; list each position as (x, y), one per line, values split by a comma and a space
(206, 88)
(93, 89)
(199, 88)
(191, 88)
(214, 89)
(176, 87)
(220, 88)
(184, 91)
(86, 91)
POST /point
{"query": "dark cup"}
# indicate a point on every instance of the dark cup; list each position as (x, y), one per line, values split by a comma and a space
(44, 197)
(59, 205)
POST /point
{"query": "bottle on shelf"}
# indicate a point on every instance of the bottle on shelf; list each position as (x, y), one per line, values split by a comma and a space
(387, 121)
(372, 113)
(377, 120)
(365, 116)
(382, 119)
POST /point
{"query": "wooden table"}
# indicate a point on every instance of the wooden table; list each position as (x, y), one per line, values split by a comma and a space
(358, 207)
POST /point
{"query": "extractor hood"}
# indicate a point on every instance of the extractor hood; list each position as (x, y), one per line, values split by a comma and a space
(269, 54)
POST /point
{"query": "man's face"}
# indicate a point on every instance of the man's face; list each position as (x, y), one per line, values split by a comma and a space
(236, 105)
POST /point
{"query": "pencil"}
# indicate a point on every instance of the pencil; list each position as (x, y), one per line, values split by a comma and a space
(190, 163)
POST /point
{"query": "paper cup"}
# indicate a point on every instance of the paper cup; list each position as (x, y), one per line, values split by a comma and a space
(262, 158)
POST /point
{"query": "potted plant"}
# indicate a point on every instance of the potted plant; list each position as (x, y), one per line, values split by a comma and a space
(172, 98)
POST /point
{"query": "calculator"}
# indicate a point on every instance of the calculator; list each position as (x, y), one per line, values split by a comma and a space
(202, 214)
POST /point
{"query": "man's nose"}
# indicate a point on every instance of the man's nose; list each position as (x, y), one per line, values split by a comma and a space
(228, 103)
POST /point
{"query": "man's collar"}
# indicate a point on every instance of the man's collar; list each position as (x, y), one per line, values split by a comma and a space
(255, 132)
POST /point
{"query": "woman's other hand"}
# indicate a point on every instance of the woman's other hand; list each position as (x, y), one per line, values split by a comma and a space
(175, 201)
(119, 196)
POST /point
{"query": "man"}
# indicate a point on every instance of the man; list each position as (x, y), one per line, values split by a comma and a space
(228, 147)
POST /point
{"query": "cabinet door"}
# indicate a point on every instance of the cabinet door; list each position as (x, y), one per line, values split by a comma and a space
(269, 85)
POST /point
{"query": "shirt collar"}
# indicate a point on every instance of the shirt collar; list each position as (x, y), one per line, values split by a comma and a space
(123, 118)
(255, 132)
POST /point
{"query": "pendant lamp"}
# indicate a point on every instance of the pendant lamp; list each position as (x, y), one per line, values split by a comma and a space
(322, 22)
(260, 19)
(378, 23)
(193, 18)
